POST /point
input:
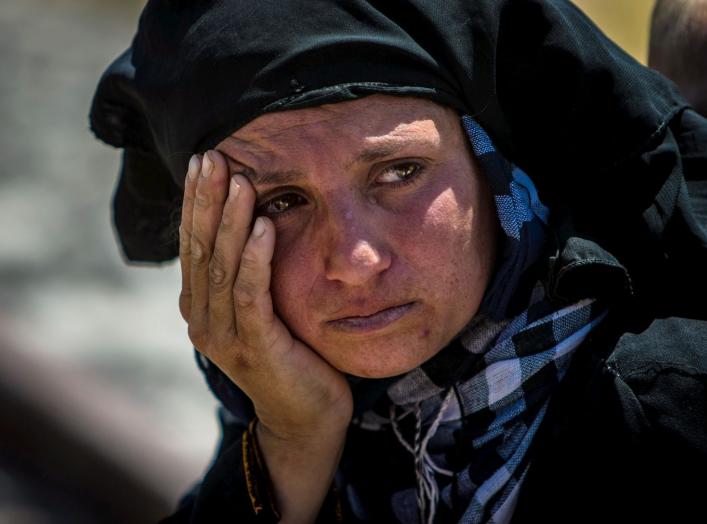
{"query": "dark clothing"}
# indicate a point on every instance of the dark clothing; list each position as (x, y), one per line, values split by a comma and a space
(624, 440)
(625, 436)
(610, 145)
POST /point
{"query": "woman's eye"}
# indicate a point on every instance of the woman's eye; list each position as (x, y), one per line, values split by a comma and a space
(282, 203)
(399, 173)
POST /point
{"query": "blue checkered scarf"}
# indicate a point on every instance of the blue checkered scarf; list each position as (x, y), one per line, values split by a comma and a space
(490, 387)
(486, 393)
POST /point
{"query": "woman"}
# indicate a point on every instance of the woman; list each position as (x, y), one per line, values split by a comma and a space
(471, 222)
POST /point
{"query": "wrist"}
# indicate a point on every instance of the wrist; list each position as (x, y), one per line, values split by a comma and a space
(301, 468)
(302, 440)
(305, 428)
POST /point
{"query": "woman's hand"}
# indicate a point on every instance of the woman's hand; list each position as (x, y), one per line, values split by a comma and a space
(303, 404)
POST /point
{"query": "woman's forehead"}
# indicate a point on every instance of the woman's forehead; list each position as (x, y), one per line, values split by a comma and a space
(375, 120)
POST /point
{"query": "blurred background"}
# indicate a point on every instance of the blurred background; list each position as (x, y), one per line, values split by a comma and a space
(104, 417)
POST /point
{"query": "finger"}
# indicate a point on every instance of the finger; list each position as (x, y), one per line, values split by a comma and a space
(185, 228)
(211, 189)
(255, 320)
(231, 237)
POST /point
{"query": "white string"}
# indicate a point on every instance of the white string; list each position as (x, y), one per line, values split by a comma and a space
(425, 467)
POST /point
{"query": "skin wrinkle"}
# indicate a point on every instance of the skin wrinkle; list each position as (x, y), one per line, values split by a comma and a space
(377, 151)
(359, 244)
(382, 145)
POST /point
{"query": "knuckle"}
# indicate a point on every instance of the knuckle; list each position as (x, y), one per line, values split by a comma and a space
(202, 201)
(197, 251)
(226, 222)
(184, 246)
(184, 232)
(217, 271)
(244, 294)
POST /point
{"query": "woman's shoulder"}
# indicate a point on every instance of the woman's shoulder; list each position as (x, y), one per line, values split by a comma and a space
(659, 378)
(625, 436)
(665, 358)
(663, 345)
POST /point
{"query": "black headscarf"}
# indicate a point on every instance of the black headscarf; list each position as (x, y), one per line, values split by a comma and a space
(598, 133)
(557, 97)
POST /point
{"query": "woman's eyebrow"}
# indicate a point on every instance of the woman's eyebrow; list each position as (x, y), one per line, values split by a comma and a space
(274, 178)
(264, 178)
(386, 149)
(371, 154)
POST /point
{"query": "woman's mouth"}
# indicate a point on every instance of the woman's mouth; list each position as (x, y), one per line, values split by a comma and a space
(374, 322)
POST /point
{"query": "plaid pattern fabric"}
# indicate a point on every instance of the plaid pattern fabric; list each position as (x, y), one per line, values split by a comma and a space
(495, 407)
(522, 216)
(486, 393)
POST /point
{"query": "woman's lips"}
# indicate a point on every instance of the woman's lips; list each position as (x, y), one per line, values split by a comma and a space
(378, 320)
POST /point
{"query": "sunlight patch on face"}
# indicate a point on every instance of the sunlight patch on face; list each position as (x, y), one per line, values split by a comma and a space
(438, 204)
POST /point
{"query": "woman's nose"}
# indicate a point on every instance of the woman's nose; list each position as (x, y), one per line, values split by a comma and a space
(357, 251)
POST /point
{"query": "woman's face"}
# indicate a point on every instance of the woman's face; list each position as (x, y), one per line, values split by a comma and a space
(385, 227)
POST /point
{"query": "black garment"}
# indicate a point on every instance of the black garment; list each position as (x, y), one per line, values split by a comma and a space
(624, 440)
(608, 143)
(625, 435)
(557, 97)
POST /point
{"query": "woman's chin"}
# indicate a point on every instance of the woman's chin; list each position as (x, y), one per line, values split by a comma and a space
(380, 361)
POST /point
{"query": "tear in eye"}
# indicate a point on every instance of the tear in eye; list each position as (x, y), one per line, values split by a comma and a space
(282, 203)
(399, 173)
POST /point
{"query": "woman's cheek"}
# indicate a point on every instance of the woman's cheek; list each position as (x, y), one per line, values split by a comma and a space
(282, 267)
(292, 276)
(446, 217)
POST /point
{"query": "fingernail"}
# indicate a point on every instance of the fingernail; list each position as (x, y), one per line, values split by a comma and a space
(207, 165)
(258, 227)
(235, 188)
(193, 166)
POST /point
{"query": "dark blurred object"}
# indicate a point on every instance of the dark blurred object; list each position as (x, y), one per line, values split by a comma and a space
(678, 47)
(72, 453)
